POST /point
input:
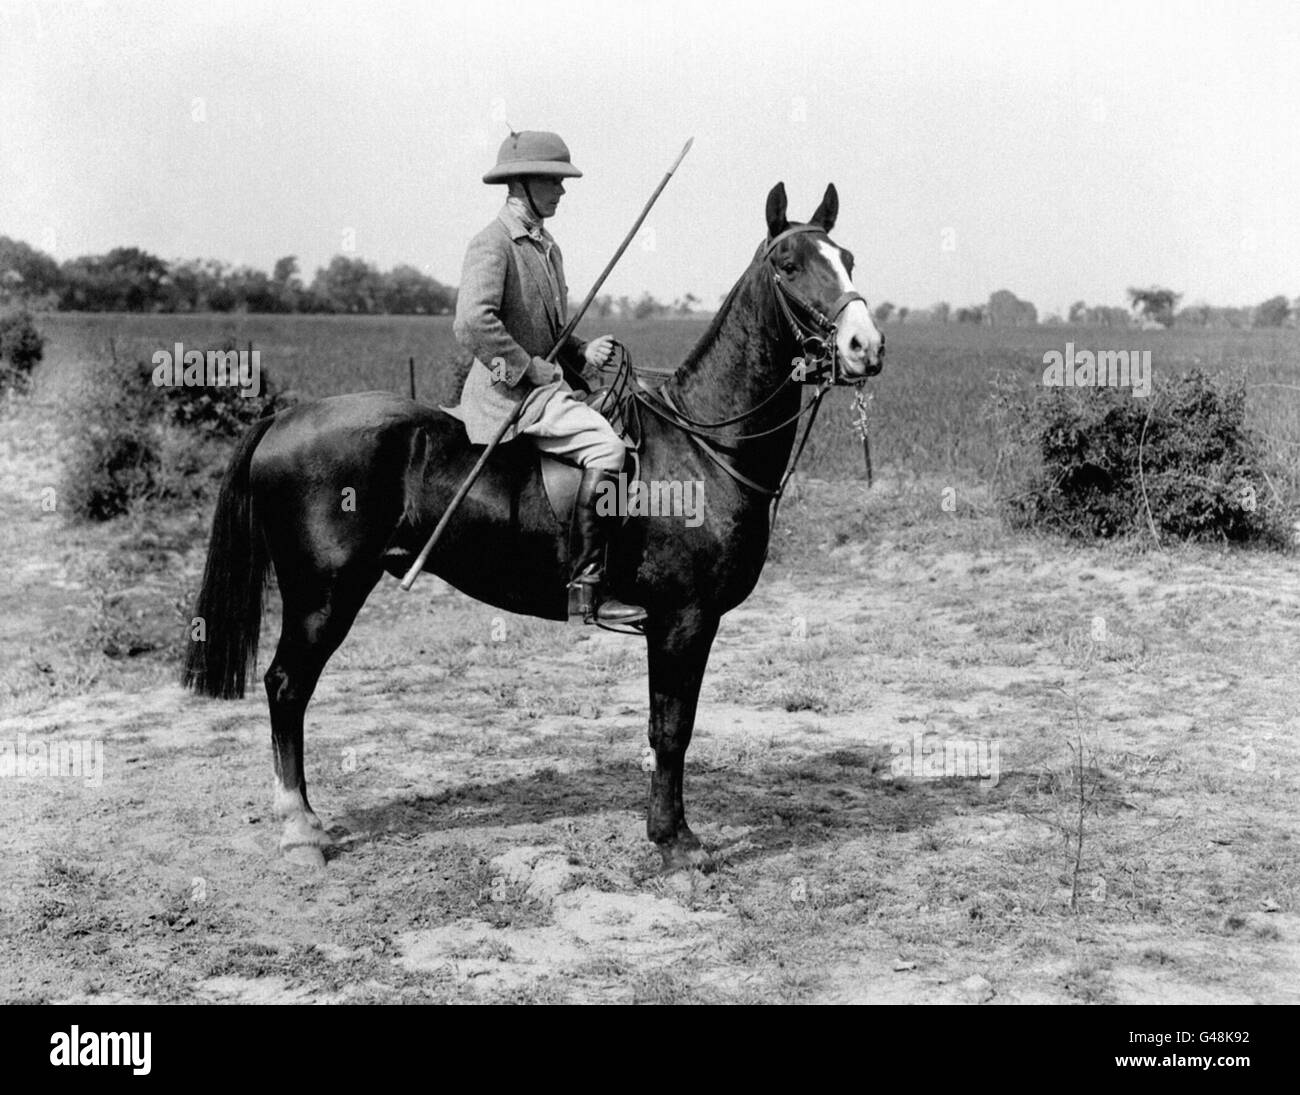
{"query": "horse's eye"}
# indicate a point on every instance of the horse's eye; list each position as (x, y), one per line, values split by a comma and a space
(789, 266)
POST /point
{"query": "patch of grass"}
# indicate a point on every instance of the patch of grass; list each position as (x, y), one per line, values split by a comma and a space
(1089, 980)
(604, 968)
(491, 950)
(545, 990)
(668, 986)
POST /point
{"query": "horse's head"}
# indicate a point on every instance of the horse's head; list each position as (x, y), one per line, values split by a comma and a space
(814, 274)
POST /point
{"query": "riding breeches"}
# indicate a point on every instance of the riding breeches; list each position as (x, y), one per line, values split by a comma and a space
(570, 428)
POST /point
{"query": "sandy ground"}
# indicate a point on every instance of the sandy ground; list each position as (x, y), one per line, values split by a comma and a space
(483, 777)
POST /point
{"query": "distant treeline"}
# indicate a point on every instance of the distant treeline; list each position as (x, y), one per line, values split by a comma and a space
(128, 279)
(1150, 307)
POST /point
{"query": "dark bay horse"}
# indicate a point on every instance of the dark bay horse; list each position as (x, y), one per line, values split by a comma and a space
(336, 492)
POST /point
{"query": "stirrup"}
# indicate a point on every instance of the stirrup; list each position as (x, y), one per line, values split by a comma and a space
(582, 602)
(587, 607)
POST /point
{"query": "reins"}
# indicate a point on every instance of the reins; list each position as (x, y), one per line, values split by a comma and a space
(818, 340)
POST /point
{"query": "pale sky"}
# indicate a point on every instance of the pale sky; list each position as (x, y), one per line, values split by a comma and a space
(1060, 151)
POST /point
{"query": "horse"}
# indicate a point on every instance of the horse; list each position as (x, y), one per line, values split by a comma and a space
(335, 493)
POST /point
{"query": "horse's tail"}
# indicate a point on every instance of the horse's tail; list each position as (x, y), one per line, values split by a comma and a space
(223, 637)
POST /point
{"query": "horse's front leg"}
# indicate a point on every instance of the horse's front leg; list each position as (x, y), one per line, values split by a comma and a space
(678, 651)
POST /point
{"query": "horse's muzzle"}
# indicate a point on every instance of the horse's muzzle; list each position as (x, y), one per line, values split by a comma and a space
(869, 367)
(860, 360)
(876, 361)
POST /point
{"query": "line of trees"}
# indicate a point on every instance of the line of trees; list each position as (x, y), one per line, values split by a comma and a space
(646, 306)
(1153, 306)
(127, 279)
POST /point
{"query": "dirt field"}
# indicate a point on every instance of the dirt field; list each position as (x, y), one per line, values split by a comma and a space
(483, 777)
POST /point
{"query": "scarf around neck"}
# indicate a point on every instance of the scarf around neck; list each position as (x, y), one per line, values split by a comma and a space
(533, 224)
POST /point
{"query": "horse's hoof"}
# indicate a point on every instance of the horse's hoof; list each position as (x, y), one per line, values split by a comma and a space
(303, 844)
(683, 857)
(304, 855)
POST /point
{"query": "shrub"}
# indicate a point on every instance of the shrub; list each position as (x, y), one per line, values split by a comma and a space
(112, 456)
(218, 411)
(21, 349)
(1100, 462)
(131, 440)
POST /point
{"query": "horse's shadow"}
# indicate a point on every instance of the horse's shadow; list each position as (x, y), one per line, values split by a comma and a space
(819, 799)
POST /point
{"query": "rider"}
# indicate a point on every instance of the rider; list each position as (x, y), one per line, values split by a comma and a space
(510, 309)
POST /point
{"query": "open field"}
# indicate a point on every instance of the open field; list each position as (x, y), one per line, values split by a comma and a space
(1133, 840)
(927, 411)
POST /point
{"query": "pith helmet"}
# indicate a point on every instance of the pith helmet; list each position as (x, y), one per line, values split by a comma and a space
(531, 153)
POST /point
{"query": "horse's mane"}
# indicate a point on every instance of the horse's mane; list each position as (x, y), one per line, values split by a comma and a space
(710, 337)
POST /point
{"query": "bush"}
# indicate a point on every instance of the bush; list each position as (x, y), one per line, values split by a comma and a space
(130, 440)
(1073, 460)
(113, 452)
(21, 349)
(218, 411)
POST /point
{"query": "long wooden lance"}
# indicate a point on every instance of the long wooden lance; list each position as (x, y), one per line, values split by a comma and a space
(477, 470)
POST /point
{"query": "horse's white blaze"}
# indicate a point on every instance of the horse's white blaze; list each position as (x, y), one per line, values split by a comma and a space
(859, 339)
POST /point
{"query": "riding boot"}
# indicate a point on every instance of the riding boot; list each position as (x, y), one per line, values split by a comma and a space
(587, 538)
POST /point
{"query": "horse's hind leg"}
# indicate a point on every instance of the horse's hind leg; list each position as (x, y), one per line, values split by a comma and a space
(318, 612)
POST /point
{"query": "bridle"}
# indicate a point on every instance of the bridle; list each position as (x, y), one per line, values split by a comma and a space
(818, 336)
(818, 339)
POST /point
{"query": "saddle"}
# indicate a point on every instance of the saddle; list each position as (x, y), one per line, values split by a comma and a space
(561, 476)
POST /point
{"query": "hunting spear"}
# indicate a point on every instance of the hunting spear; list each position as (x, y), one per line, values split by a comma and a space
(459, 497)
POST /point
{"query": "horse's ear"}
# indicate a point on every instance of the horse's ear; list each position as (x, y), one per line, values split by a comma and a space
(776, 206)
(828, 210)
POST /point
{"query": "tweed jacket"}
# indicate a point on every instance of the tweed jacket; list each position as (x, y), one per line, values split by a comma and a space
(508, 311)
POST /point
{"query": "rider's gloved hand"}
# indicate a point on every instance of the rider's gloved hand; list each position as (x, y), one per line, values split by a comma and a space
(542, 372)
(599, 351)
